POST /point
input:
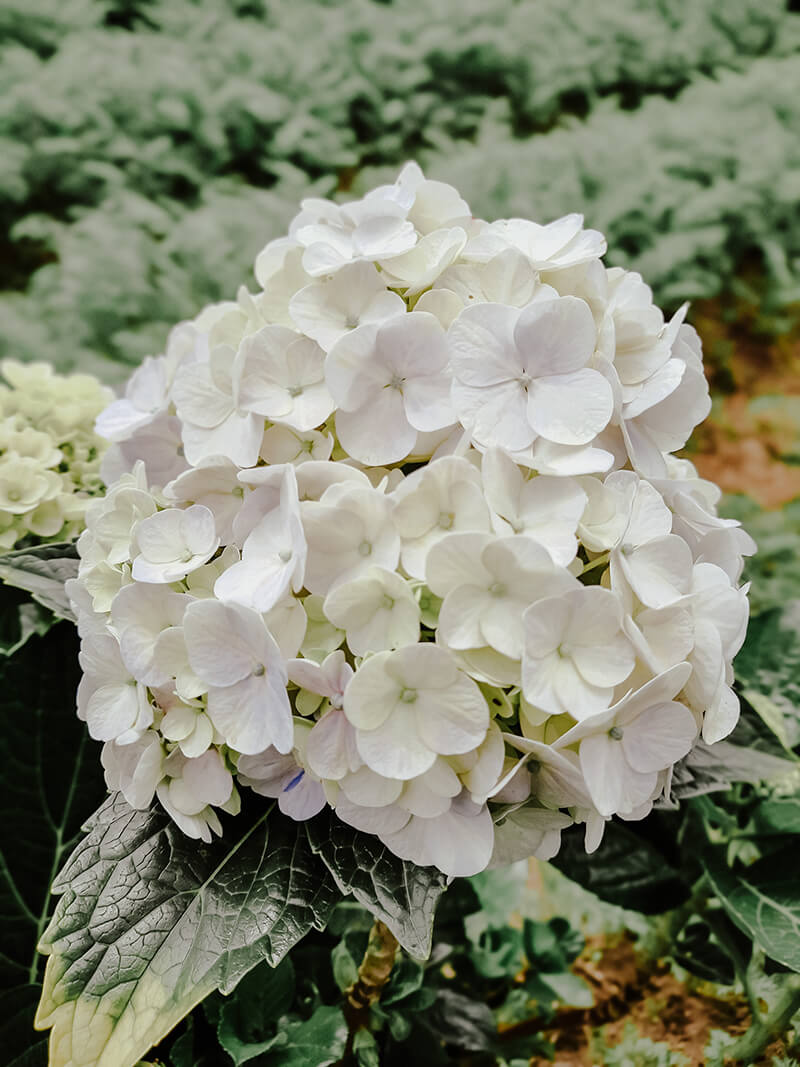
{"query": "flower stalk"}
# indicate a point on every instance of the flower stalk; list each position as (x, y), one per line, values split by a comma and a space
(375, 969)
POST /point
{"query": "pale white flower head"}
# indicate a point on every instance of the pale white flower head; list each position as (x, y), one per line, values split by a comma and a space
(233, 653)
(334, 306)
(446, 496)
(172, 543)
(389, 381)
(411, 705)
(523, 374)
(401, 533)
(575, 651)
(377, 611)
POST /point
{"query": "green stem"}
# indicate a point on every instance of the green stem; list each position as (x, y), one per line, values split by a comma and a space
(742, 969)
(749, 1047)
(599, 562)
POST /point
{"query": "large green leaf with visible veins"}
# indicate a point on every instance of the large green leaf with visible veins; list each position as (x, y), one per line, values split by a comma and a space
(403, 895)
(150, 922)
(50, 781)
(764, 902)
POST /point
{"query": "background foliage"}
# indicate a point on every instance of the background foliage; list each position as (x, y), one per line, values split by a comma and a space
(149, 148)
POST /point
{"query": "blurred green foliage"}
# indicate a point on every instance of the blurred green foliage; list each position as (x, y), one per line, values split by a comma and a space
(148, 148)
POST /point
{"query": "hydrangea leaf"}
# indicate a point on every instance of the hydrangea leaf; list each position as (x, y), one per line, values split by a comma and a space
(21, 1046)
(769, 664)
(778, 815)
(150, 922)
(42, 571)
(714, 768)
(764, 902)
(627, 869)
(248, 1017)
(401, 894)
(315, 1042)
(312, 1042)
(20, 619)
(50, 780)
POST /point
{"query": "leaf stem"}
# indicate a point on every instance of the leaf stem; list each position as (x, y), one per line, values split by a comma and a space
(373, 974)
(749, 1047)
(375, 968)
(599, 562)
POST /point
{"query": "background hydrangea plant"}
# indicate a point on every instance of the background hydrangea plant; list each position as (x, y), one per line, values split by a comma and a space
(399, 542)
(50, 454)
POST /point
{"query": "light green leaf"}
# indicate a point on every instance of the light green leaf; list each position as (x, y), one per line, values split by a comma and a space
(42, 571)
(315, 1042)
(714, 768)
(150, 922)
(570, 989)
(769, 714)
(400, 893)
(764, 902)
(345, 968)
(778, 815)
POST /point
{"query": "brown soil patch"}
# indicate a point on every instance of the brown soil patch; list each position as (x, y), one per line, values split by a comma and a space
(629, 989)
(738, 449)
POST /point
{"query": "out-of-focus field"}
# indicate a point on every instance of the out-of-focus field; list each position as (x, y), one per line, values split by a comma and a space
(150, 148)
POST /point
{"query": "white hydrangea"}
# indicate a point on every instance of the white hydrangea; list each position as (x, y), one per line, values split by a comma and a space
(402, 533)
(50, 454)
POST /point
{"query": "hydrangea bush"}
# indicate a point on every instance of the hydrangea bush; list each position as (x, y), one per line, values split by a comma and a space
(403, 533)
(49, 453)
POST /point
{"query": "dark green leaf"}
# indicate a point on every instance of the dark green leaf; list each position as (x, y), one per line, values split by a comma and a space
(769, 664)
(461, 1021)
(777, 815)
(42, 571)
(626, 870)
(51, 781)
(20, 619)
(150, 922)
(551, 946)
(764, 902)
(247, 1018)
(315, 1042)
(21, 1045)
(400, 893)
(182, 1052)
(697, 951)
(405, 980)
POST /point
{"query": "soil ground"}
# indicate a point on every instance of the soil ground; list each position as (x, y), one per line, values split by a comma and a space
(628, 989)
(751, 441)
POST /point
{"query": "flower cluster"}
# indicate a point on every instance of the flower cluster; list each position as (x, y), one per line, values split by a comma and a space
(402, 533)
(50, 455)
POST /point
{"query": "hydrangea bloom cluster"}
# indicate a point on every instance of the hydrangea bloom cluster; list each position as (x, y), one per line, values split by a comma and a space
(402, 533)
(50, 455)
